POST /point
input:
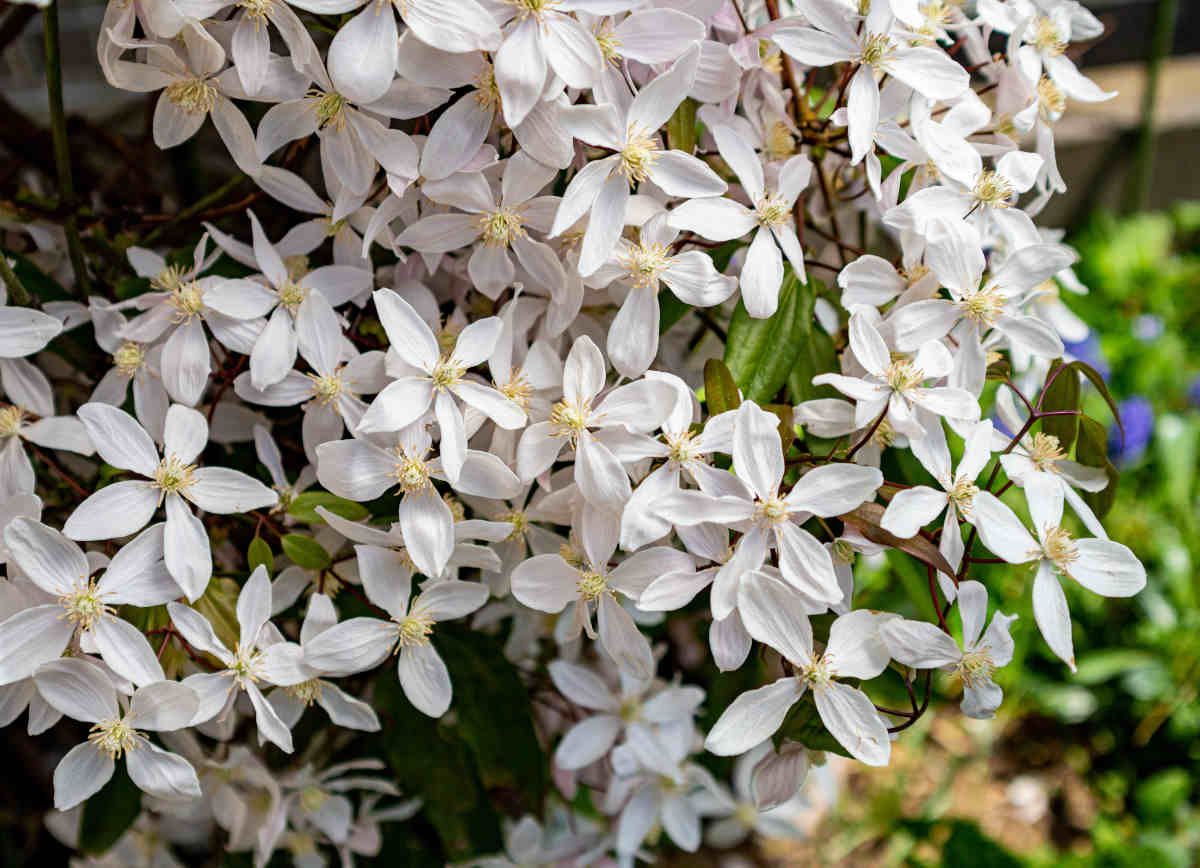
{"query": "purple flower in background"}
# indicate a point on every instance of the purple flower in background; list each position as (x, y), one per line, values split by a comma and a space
(1138, 416)
(1147, 327)
(1194, 392)
(1088, 351)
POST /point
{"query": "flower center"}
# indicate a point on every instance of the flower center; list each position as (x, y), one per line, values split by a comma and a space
(681, 449)
(517, 389)
(257, 10)
(520, 522)
(1045, 451)
(591, 585)
(306, 692)
(245, 665)
(1047, 38)
(936, 14)
(984, 306)
(536, 8)
(818, 674)
(779, 142)
(330, 108)
(976, 667)
(194, 95)
(83, 605)
(415, 630)
(487, 92)
(1051, 100)
(992, 190)
(113, 737)
(292, 294)
(963, 494)
(771, 512)
(630, 710)
(11, 418)
(326, 388)
(500, 227)
(174, 475)
(903, 376)
(609, 44)
(567, 420)
(772, 211)
(639, 154)
(884, 435)
(410, 472)
(312, 799)
(128, 358)
(1060, 549)
(446, 373)
(876, 50)
(188, 300)
(645, 262)
(169, 279)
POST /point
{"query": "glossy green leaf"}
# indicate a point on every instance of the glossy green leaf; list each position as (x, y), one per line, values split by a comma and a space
(1061, 393)
(259, 553)
(681, 127)
(1091, 449)
(1102, 387)
(670, 310)
(304, 507)
(109, 814)
(761, 353)
(787, 425)
(720, 391)
(305, 552)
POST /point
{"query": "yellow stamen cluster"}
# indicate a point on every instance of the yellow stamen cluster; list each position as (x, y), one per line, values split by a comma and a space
(487, 92)
(771, 512)
(312, 799)
(818, 673)
(1045, 451)
(306, 692)
(645, 262)
(591, 585)
(326, 389)
(1052, 102)
(778, 141)
(257, 11)
(414, 630)
(609, 44)
(915, 274)
(976, 667)
(446, 373)
(113, 737)
(963, 495)
(292, 295)
(876, 50)
(173, 475)
(681, 449)
(244, 665)
(458, 512)
(499, 228)
(536, 8)
(984, 306)
(129, 358)
(1059, 548)
(903, 376)
(11, 419)
(992, 190)
(772, 211)
(194, 95)
(518, 389)
(1047, 38)
(330, 108)
(630, 710)
(638, 154)
(83, 606)
(884, 435)
(188, 301)
(410, 473)
(567, 420)
(519, 523)
(169, 279)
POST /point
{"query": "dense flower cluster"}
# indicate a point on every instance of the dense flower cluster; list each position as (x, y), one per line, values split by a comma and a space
(514, 193)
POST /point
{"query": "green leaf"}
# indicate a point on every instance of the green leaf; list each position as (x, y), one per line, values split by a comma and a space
(803, 724)
(219, 605)
(259, 553)
(1000, 369)
(1091, 449)
(787, 425)
(1102, 387)
(430, 760)
(1097, 667)
(670, 310)
(495, 719)
(1062, 393)
(681, 127)
(305, 552)
(109, 814)
(304, 507)
(720, 392)
(761, 353)
(817, 356)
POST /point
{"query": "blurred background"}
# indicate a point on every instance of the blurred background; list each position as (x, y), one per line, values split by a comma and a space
(1097, 769)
